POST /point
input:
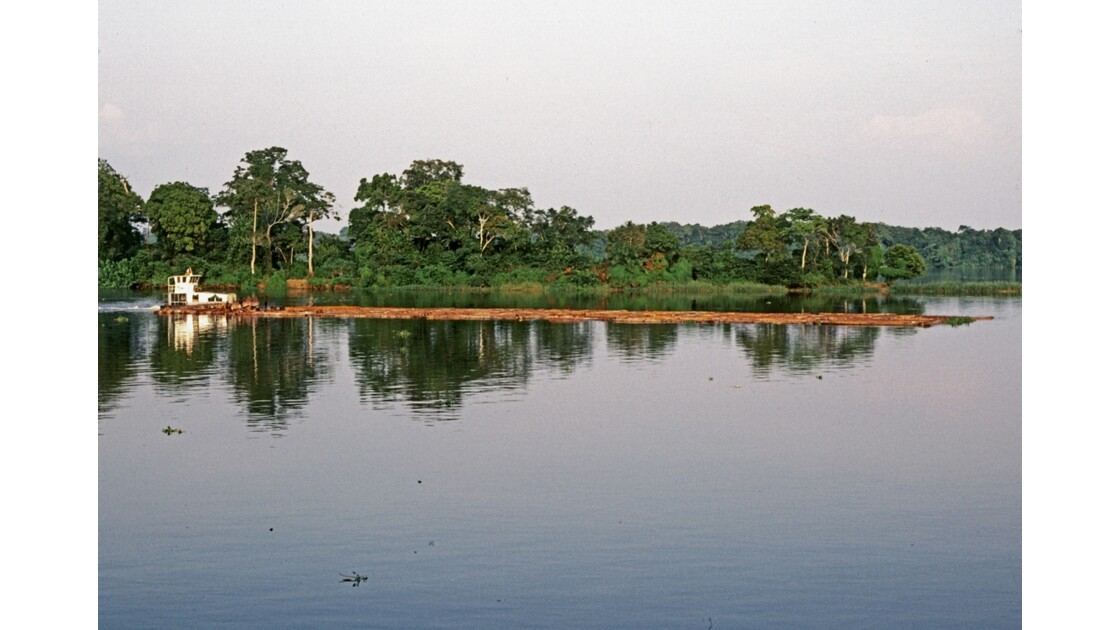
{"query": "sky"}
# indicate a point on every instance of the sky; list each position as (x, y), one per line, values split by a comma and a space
(908, 113)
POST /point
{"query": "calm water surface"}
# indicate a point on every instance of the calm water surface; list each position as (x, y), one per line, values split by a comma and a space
(534, 475)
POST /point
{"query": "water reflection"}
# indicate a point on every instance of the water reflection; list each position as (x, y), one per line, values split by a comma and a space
(637, 342)
(801, 349)
(119, 340)
(273, 365)
(188, 350)
(668, 301)
(271, 368)
(429, 365)
(564, 347)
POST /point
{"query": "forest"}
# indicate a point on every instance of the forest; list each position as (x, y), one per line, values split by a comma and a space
(428, 227)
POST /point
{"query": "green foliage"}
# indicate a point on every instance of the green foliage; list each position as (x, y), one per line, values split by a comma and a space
(277, 284)
(765, 235)
(117, 274)
(424, 172)
(583, 278)
(639, 254)
(623, 276)
(698, 236)
(380, 196)
(428, 228)
(959, 288)
(118, 209)
(719, 265)
(182, 218)
(805, 227)
(561, 234)
(332, 256)
(966, 247)
(270, 200)
(780, 271)
(680, 272)
(130, 273)
(902, 262)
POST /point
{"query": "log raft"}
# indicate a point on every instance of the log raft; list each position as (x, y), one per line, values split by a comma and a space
(556, 315)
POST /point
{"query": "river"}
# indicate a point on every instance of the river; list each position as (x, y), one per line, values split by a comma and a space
(536, 475)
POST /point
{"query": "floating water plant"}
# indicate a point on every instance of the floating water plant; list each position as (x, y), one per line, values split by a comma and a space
(169, 430)
(353, 578)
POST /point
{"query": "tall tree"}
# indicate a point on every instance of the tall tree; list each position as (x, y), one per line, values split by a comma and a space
(558, 235)
(118, 208)
(320, 206)
(269, 190)
(439, 208)
(764, 233)
(379, 196)
(626, 244)
(805, 226)
(849, 237)
(423, 172)
(181, 216)
(502, 215)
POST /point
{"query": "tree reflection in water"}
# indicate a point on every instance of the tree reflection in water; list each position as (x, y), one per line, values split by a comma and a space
(119, 344)
(431, 365)
(273, 367)
(800, 349)
(641, 342)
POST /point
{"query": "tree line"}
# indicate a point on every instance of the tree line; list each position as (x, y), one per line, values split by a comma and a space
(426, 226)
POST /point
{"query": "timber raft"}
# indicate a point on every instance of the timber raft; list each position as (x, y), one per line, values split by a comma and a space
(573, 315)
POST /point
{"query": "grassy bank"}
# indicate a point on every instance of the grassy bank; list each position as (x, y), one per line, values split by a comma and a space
(959, 288)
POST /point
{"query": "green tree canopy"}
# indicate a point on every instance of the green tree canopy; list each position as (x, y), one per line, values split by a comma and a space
(902, 262)
(764, 234)
(182, 217)
(380, 198)
(267, 192)
(118, 208)
(806, 227)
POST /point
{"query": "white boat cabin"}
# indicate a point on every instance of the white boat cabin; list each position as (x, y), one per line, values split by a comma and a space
(183, 290)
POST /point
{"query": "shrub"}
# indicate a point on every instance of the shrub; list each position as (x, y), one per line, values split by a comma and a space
(277, 283)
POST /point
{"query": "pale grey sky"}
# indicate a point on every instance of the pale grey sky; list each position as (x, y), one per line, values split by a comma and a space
(904, 112)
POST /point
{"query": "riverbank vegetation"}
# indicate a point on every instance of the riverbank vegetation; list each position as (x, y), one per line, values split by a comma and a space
(427, 227)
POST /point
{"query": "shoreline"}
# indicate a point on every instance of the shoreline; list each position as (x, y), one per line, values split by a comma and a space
(555, 315)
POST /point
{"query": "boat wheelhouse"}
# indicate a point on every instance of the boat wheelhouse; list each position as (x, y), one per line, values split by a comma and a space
(183, 291)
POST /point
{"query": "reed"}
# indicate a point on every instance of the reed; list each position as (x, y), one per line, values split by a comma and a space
(959, 288)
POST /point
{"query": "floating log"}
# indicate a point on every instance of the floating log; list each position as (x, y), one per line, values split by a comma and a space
(558, 315)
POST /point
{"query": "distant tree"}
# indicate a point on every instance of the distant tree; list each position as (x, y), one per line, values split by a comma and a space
(764, 233)
(439, 209)
(380, 198)
(849, 237)
(902, 262)
(118, 208)
(662, 244)
(182, 217)
(423, 172)
(501, 215)
(626, 244)
(638, 254)
(558, 236)
(805, 226)
(968, 247)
